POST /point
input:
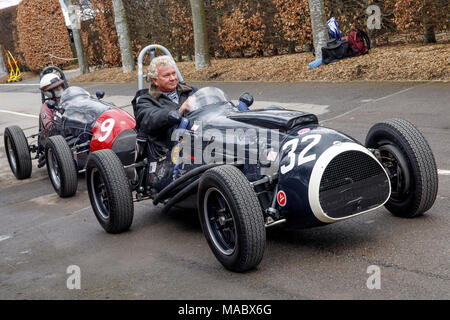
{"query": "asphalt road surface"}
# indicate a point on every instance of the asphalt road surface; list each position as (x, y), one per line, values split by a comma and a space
(165, 256)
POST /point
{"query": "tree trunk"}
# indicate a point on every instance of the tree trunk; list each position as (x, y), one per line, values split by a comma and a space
(212, 52)
(120, 20)
(319, 27)
(3, 70)
(79, 47)
(428, 23)
(428, 30)
(291, 47)
(202, 59)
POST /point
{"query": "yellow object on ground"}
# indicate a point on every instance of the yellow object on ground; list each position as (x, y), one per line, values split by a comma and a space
(14, 73)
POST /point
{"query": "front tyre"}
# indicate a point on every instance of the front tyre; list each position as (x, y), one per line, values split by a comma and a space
(109, 191)
(231, 218)
(61, 167)
(411, 166)
(17, 152)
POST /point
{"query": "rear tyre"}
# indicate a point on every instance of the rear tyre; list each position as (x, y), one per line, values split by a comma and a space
(17, 152)
(409, 161)
(61, 167)
(109, 191)
(231, 218)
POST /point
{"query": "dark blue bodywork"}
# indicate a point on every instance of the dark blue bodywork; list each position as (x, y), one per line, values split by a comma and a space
(215, 134)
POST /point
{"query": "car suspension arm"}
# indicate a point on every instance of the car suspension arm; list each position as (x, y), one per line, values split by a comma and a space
(166, 192)
(184, 193)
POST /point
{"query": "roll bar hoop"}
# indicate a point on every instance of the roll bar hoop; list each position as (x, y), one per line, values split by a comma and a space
(151, 50)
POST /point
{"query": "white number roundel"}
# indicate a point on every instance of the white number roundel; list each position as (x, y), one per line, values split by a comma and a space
(106, 129)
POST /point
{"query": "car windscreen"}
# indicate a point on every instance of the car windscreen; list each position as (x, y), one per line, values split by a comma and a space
(73, 93)
(80, 108)
(208, 101)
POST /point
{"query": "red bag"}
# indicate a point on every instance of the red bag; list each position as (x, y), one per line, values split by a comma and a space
(356, 39)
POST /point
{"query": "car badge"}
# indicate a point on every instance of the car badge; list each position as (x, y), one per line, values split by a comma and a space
(281, 198)
(304, 130)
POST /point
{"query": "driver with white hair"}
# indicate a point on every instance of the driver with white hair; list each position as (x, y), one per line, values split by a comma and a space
(152, 107)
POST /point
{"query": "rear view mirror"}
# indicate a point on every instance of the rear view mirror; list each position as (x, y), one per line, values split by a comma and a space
(100, 94)
(245, 101)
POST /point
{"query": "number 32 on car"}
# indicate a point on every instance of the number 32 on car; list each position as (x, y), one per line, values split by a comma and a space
(303, 156)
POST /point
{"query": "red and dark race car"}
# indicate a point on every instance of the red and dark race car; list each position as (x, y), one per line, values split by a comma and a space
(80, 124)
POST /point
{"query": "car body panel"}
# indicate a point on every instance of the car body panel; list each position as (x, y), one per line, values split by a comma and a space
(108, 126)
(284, 143)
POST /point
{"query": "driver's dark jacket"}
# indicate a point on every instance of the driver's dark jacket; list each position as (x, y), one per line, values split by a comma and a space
(151, 109)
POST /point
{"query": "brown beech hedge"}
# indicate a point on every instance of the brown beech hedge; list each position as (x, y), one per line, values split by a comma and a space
(42, 31)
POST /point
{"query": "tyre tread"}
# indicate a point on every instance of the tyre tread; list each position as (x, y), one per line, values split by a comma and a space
(68, 171)
(250, 209)
(23, 157)
(419, 149)
(118, 188)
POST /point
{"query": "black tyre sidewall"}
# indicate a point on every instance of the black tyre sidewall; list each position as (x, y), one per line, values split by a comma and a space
(105, 223)
(231, 262)
(67, 170)
(383, 133)
(121, 216)
(20, 148)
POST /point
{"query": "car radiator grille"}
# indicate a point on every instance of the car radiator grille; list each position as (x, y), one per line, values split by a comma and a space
(352, 182)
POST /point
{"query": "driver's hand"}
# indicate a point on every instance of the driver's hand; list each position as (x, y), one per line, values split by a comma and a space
(185, 107)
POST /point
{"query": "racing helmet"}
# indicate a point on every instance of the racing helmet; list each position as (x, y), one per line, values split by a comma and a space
(48, 83)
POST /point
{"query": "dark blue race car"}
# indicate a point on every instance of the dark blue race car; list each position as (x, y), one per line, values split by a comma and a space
(246, 171)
